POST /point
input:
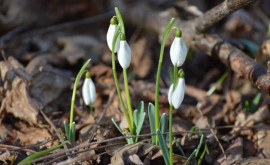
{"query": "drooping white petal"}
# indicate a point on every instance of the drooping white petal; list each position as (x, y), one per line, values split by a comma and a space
(110, 35)
(124, 54)
(178, 94)
(170, 94)
(178, 51)
(92, 91)
(88, 91)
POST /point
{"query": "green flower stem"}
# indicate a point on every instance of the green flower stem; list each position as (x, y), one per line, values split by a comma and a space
(175, 71)
(164, 38)
(128, 99)
(174, 76)
(120, 19)
(116, 81)
(78, 77)
(170, 135)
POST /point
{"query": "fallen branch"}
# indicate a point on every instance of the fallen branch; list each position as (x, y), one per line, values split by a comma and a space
(211, 44)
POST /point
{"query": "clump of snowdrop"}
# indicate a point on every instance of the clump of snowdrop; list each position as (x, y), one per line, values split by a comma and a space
(117, 43)
(124, 54)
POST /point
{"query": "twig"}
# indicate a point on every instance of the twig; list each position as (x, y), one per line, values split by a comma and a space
(16, 148)
(81, 146)
(56, 131)
(216, 14)
(214, 134)
(212, 45)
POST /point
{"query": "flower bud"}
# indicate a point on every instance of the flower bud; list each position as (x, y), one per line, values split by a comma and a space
(88, 90)
(176, 97)
(178, 50)
(110, 35)
(124, 53)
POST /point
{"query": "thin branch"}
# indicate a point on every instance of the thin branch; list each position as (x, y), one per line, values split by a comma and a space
(4, 146)
(244, 66)
(56, 131)
(214, 15)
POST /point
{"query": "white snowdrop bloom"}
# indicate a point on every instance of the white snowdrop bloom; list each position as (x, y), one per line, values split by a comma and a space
(178, 94)
(170, 94)
(124, 53)
(110, 35)
(88, 91)
(178, 50)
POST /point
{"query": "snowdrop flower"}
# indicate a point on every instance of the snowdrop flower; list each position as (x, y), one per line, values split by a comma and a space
(124, 53)
(88, 90)
(178, 50)
(176, 97)
(110, 35)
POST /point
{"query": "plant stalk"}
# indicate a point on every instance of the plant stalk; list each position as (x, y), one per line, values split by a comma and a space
(164, 38)
(116, 81)
(128, 99)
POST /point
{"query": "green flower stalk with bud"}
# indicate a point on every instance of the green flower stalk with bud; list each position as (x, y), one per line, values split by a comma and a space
(175, 97)
(116, 40)
(163, 41)
(178, 53)
(89, 93)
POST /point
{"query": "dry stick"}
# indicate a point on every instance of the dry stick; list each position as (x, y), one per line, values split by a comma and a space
(237, 60)
(4, 146)
(214, 15)
(214, 134)
(56, 131)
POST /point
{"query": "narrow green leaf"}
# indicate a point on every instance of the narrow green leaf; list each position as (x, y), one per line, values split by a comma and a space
(129, 140)
(180, 148)
(206, 148)
(199, 146)
(40, 154)
(151, 115)
(140, 116)
(201, 157)
(67, 130)
(190, 157)
(72, 132)
(164, 148)
(216, 85)
(135, 118)
(164, 124)
(255, 102)
(117, 126)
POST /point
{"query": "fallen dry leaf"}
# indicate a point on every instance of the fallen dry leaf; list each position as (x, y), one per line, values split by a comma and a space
(19, 103)
(28, 135)
(80, 47)
(253, 161)
(233, 153)
(141, 57)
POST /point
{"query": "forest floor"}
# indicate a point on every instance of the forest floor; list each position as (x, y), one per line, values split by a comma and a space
(43, 49)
